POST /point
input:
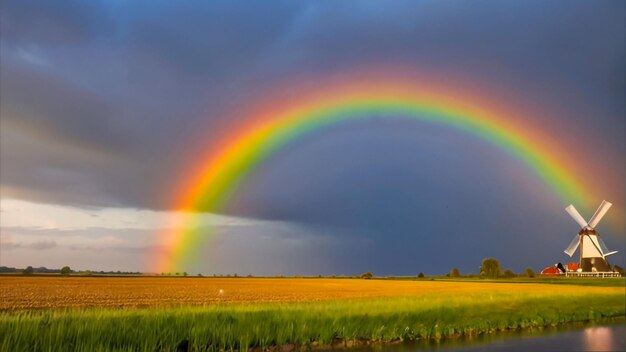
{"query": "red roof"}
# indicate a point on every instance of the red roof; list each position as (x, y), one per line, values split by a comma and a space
(553, 270)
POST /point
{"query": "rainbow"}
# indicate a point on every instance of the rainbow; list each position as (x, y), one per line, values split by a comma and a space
(273, 125)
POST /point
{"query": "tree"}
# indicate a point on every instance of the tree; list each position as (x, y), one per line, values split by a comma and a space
(530, 272)
(185, 273)
(508, 273)
(455, 272)
(490, 268)
(65, 270)
(29, 270)
(366, 275)
(420, 275)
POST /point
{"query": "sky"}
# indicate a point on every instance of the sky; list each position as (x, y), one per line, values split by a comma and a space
(103, 104)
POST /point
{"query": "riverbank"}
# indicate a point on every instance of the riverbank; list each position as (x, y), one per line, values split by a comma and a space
(598, 335)
(434, 310)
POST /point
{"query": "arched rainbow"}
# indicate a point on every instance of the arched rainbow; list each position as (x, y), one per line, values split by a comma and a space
(231, 161)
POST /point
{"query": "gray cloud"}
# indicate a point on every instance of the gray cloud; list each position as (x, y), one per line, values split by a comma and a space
(38, 245)
(41, 245)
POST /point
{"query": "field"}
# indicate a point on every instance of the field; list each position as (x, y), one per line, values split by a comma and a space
(148, 314)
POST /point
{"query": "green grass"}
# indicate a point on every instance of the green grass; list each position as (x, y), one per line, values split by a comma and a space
(239, 327)
(580, 281)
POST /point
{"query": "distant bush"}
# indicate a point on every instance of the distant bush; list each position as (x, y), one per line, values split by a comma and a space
(366, 275)
(66, 270)
(29, 270)
(455, 272)
(530, 272)
(508, 273)
(420, 275)
(490, 268)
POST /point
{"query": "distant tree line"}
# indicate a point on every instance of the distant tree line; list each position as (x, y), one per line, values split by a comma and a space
(66, 270)
(491, 269)
(29, 270)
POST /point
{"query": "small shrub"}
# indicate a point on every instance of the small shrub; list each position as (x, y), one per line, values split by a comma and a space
(508, 273)
(420, 275)
(366, 275)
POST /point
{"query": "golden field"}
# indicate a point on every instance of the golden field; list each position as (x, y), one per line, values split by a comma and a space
(21, 292)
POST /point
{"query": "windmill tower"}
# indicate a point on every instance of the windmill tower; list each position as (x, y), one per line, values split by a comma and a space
(593, 251)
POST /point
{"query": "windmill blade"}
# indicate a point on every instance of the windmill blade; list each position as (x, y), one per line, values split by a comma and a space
(602, 209)
(572, 246)
(576, 216)
(604, 248)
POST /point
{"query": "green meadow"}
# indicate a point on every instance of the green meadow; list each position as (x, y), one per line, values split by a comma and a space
(305, 325)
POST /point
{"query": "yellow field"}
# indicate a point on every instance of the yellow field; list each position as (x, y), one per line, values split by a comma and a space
(52, 292)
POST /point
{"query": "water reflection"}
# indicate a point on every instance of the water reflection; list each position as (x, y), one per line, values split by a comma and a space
(600, 339)
(609, 336)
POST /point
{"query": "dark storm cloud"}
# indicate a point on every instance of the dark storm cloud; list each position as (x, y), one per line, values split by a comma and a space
(53, 23)
(135, 80)
(99, 100)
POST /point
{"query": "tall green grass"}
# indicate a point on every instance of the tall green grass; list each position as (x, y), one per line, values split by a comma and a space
(239, 327)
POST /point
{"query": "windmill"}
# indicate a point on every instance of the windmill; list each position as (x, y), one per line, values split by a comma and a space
(593, 251)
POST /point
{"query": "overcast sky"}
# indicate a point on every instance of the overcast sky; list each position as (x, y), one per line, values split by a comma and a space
(100, 101)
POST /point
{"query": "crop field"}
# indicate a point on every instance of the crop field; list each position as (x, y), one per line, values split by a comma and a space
(163, 314)
(63, 292)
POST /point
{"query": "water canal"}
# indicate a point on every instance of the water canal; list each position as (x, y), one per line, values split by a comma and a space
(603, 336)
